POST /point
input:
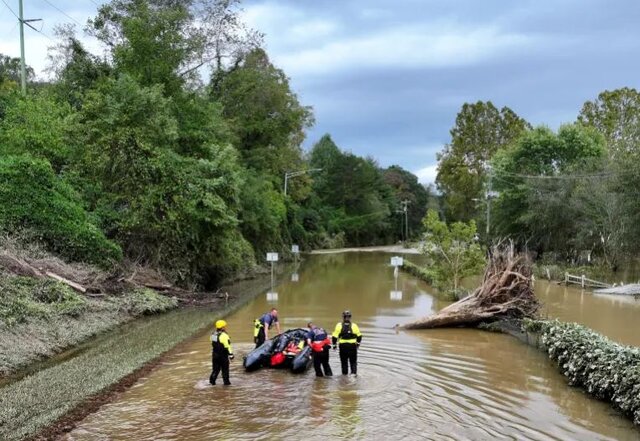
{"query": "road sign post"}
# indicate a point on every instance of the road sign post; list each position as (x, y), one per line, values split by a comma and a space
(273, 258)
(396, 262)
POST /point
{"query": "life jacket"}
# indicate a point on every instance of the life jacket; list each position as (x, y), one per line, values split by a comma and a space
(319, 340)
(216, 345)
(346, 333)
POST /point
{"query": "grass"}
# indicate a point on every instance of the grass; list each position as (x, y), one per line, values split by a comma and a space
(39, 317)
(37, 400)
(31, 404)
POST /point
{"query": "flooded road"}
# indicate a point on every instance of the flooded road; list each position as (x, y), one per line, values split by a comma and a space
(451, 384)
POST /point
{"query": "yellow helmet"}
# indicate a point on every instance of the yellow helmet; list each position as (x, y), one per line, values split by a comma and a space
(221, 324)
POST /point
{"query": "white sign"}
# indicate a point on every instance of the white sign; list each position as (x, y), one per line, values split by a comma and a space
(295, 277)
(272, 297)
(295, 249)
(395, 295)
(272, 257)
(397, 261)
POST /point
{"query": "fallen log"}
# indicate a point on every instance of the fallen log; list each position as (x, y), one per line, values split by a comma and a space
(505, 293)
(67, 282)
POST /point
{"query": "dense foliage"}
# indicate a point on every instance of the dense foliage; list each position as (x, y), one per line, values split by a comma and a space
(607, 370)
(479, 132)
(133, 155)
(571, 195)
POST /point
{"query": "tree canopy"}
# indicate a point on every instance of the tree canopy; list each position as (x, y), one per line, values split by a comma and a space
(479, 132)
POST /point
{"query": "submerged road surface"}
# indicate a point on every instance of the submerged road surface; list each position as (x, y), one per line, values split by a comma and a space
(451, 384)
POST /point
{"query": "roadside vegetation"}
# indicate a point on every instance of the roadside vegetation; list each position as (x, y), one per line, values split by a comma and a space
(39, 318)
(569, 196)
(172, 149)
(165, 153)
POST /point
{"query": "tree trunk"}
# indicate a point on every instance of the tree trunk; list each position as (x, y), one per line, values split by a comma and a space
(505, 293)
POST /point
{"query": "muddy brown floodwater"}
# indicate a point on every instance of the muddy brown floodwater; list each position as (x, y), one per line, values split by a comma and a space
(450, 384)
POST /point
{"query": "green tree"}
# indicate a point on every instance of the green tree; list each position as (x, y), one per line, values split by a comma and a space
(616, 115)
(406, 187)
(479, 132)
(536, 180)
(351, 194)
(76, 70)
(453, 251)
(168, 41)
(267, 119)
(11, 71)
(173, 211)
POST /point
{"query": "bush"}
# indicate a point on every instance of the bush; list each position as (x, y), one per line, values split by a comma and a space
(35, 200)
(22, 298)
(607, 370)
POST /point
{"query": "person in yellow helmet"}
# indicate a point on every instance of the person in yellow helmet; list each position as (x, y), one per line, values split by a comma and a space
(348, 336)
(221, 353)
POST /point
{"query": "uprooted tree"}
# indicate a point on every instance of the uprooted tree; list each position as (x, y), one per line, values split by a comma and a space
(505, 293)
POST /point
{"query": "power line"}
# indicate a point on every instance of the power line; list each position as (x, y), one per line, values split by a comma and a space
(9, 8)
(62, 12)
(518, 175)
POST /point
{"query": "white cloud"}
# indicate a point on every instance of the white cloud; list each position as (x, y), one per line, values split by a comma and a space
(305, 44)
(406, 47)
(427, 175)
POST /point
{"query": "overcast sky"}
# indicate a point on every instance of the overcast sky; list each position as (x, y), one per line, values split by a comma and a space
(386, 78)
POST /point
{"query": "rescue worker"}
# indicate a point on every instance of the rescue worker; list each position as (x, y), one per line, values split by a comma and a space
(221, 353)
(262, 326)
(320, 344)
(348, 336)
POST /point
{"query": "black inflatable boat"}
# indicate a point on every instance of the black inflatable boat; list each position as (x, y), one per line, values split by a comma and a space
(286, 350)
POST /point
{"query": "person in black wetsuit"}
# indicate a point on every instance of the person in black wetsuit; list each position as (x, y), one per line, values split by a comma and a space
(348, 336)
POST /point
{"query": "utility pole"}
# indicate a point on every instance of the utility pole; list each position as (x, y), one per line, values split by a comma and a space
(23, 67)
(23, 64)
(289, 175)
(405, 207)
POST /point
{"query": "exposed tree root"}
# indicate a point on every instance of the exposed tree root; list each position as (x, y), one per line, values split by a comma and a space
(505, 293)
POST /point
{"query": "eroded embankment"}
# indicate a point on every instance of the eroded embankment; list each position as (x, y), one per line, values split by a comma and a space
(48, 402)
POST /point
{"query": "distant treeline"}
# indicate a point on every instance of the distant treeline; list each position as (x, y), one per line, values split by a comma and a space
(566, 195)
(132, 155)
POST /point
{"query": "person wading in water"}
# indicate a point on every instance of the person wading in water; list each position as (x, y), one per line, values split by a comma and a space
(348, 336)
(221, 353)
(320, 343)
(262, 325)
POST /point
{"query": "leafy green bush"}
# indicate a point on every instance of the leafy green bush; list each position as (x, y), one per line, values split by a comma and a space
(22, 298)
(145, 301)
(34, 199)
(607, 370)
(35, 125)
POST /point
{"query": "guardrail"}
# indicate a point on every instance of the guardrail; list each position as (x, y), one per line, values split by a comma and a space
(584, 281)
